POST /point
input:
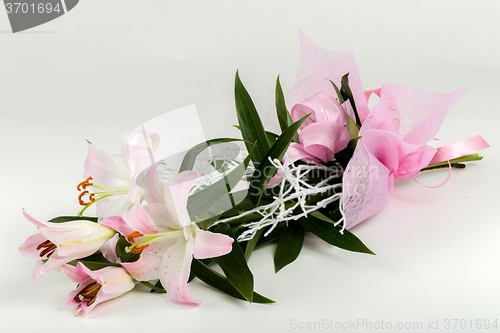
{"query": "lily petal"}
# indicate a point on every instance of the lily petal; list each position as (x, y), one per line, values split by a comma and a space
(116, 281)
(28, 249)
(118, 224)
(56, 261)
(71, 273)
(209, 244)
(114, 205)
(138, 219)
(76, 242)
(34, 220)
(175, 269)
(108, 249)
(144, 269)
(105, 169)
(70, 300)
(154, 191)
(160, 214)
(135, 150)
(176, 195)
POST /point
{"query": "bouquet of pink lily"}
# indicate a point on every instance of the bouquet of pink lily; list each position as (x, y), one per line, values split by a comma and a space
(333, 166)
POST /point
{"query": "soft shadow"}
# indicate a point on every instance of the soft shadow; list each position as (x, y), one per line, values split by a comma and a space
(27, 32)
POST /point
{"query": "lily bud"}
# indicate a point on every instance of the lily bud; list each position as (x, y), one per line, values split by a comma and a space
(56, 244)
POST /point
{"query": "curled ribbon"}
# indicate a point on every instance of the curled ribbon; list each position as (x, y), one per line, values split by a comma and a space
(436, 186)
(459, 149)
(447, 153)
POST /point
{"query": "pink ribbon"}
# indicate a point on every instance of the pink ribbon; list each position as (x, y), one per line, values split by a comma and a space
(450, 152)
(412, 177)
(373, 91)
(459, 149)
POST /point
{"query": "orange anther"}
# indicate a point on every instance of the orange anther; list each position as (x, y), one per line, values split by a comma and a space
(84, 184)
(91, 197)
(138, 249)
(80, 198)
(135, 234)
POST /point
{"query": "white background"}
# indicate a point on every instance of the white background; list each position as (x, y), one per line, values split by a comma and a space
(107, 66)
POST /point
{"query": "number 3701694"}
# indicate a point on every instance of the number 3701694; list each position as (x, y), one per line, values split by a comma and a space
(25, 8)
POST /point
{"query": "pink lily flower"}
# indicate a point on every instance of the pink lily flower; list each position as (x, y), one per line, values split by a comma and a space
(95, 287)
(113, 178)
(165, 236)
(56, 244)
(392, 146)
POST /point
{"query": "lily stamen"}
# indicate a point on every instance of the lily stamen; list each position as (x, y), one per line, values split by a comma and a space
(132, 236)
(93, 197)
(148, 239)
(138, 249)
(50, 248)
(84, 184)
(89, 293)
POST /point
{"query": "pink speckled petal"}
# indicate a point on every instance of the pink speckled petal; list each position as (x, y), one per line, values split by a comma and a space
(108, 249)
(174, 271)
(144, 269)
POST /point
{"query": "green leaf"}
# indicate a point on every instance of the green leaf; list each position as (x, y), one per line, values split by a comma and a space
(209, 202)
(62, 219)
(154, 287)
(190, 157)
(273, 236)
(272, 137)
(94, 261)
(205, 224)
(352, 127)
(251, 244)
(235, 266)
(93, 266)
(251, 126)
(344, 156)
(284, 118)
(324, 228)
(465, 158)
(339, 95)
(122, 254)
(289, 245)
(217, 281)
(265, 170)
(347, 93)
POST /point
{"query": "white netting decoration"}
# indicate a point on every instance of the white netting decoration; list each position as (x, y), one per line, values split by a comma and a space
(289, 198)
